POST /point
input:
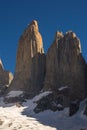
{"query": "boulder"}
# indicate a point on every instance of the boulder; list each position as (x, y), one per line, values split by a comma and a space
(74, 107)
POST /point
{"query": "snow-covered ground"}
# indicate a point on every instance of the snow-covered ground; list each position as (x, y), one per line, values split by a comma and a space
(13, 117)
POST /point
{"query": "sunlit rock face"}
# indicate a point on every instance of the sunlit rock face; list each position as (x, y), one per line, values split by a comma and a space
(65, 65)
(30, 44)
(5, 77)
(30, 62)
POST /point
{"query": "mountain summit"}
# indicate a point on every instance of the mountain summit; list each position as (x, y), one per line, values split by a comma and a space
(30, 62)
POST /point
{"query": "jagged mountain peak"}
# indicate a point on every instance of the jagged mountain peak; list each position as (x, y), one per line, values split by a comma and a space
(1, 65)
(34, 22)
(33, 26)
(70, 34)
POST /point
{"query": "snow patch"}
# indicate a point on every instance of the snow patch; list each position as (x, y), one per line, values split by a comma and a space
(31, 104)
(59, 105)
(44, 94)
(62, 88)
(14, 93)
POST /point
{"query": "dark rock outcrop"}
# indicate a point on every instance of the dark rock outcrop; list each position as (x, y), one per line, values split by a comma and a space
(86, 81)
(52, 101)
(55, 101)
(5, 78)
(85, 111)
(30, 62)
(74, 107)
(65, 65)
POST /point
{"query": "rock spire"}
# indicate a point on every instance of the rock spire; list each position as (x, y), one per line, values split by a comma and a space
(65, 65)
(30, 62)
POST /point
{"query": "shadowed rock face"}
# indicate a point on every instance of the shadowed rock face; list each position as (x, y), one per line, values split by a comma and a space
(65, 65)
(30, 62)
(5, 77)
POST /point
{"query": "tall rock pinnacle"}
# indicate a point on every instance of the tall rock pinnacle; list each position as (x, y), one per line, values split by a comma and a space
(65, 65)
(30, 44)
(30, 62)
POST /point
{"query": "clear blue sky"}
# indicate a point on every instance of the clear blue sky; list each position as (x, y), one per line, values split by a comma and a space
(52, 15)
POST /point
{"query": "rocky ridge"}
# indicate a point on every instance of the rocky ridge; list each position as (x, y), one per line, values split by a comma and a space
(5, 78)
